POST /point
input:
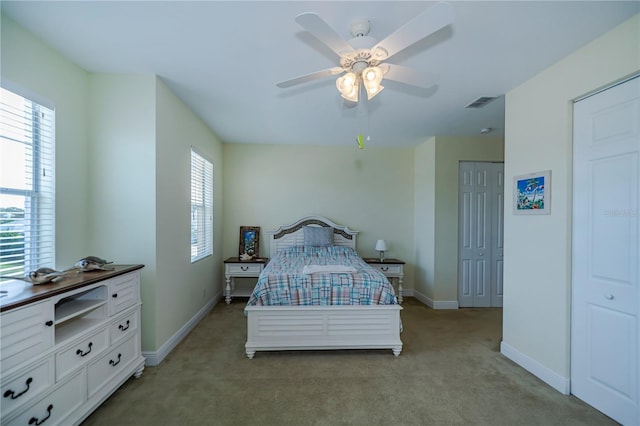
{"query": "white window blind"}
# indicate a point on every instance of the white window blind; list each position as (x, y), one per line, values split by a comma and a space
(27, 185)
(201, 207)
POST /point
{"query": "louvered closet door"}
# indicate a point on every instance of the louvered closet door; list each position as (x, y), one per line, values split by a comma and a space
(480, 234)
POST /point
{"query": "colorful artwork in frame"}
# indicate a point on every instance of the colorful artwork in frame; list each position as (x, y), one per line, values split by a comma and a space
(532, 193)
(249, 242)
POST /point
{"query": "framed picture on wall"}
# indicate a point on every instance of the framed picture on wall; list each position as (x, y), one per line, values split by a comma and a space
(532, 193)
(249, 242)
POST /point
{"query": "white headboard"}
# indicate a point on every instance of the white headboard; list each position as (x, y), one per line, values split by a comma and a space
(292, 234)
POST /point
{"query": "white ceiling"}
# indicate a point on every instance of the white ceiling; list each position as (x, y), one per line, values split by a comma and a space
(224, 58)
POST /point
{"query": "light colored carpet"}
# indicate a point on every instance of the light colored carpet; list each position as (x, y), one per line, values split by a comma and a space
(450, 372)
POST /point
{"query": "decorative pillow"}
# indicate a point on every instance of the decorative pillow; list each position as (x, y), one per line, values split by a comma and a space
(318, 236)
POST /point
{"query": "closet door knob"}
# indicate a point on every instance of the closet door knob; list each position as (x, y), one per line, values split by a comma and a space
(608, 296)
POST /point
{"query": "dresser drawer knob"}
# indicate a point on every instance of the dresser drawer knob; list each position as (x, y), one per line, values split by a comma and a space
(244, 268)
(384, 268)
(35, 421)
(79, 351)
(48, 323)
(124, 327)
(114, 295)
(114, 363)
(13, 395)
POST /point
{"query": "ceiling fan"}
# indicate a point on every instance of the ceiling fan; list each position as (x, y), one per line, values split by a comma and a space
(362, 60)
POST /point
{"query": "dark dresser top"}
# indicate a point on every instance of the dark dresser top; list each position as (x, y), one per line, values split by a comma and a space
(19, 293)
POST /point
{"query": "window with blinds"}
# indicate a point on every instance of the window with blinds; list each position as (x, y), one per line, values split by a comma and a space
(201, 206)
(27, 185)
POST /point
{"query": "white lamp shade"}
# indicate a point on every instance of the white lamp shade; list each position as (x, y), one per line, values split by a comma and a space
(381, 245)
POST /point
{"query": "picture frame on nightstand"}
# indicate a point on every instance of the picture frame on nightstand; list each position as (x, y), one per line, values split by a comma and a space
(249, 246)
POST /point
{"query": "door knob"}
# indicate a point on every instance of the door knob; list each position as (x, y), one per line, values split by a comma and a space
(608, 296)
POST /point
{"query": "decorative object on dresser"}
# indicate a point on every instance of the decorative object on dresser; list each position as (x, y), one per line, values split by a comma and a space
(46, 275)
(236, 267)
(381, 246)
(340, 323)
(92, 263)
(391, 268)
(249, 242)
(65, 347)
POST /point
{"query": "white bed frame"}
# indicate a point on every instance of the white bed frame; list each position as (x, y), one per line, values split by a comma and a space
(277, 328)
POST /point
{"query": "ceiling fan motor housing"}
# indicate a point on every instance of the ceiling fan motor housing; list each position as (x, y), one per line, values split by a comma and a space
(360, 28)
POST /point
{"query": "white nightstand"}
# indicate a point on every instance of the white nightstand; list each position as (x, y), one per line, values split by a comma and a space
(234, 267)
(391, 268)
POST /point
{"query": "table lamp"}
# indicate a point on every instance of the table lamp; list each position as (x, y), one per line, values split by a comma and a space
(381, 246)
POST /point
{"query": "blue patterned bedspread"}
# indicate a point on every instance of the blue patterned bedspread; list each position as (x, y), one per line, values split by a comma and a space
(283, 283)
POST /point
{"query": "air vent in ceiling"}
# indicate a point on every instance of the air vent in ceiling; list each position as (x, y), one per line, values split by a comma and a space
(480, 102)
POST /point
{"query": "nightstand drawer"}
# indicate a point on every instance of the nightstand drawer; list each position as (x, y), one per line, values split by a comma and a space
(250, 269)
(389, 269)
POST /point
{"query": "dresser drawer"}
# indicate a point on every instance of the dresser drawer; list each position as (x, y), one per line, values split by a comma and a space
(55, 408)
(26, 386)
(115, 361)
(123, 327)
(25, 333)
(238, 269)
(81, 352)
(389, 269)
(123, 292)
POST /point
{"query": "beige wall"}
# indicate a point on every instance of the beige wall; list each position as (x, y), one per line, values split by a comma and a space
(536, 325)
(182, 287)
(32, 69)
(121, 177)
(425, 220)
(141, 138)
(122, 164)
(436, 200)
(369, 190)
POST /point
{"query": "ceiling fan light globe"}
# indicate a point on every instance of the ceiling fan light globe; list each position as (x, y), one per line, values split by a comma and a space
(351, 96)
(347, 83)
(373, 91)
(373, 74)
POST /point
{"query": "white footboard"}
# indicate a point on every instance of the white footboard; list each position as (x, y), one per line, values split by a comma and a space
(275, 328)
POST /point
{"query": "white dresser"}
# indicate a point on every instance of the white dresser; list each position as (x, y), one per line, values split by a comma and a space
(66, 347)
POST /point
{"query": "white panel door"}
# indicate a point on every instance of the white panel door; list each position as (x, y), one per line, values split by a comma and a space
(480, 234)
(605, 344)
(497, 235)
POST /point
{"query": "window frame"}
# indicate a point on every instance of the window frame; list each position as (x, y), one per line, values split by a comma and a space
(201, 200)
(29, 128)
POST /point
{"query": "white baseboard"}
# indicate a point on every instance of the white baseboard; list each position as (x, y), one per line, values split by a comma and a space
(437, 304)
(553, 379)
(407, 292)
(153, 358)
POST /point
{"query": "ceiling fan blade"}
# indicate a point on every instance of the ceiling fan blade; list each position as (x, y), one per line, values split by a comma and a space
(409, 76)
(428, 22)
(309, 77)
(323, 32)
